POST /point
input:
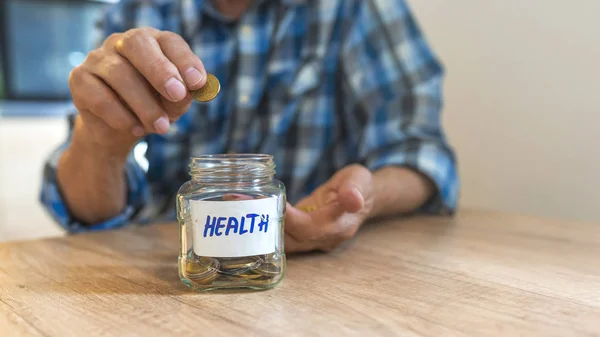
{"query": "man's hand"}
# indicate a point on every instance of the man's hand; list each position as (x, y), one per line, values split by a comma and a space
(136, 83)
(341, 205)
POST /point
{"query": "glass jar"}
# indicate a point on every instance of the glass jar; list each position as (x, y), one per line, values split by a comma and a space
(231, 217)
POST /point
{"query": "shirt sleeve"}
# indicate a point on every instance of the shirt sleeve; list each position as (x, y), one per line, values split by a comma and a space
(394, 87)
(53, 201)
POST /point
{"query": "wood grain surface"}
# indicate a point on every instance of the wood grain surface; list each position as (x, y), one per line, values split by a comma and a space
(479, 274)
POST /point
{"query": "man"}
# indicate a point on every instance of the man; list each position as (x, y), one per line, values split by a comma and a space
(344, 93)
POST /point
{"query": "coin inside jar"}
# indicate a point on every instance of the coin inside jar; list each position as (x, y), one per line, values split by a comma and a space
(239, 264)
(203, 270)
(269, 269)
(242, 277)
(209, 91)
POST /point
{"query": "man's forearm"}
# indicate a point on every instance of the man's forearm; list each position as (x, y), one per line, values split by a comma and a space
(92, 183)
(399, 190)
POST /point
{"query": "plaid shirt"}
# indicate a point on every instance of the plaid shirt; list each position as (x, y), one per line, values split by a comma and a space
(319, 84)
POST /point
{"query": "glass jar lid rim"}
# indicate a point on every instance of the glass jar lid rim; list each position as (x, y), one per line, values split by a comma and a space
(230, 166)
(234, 156)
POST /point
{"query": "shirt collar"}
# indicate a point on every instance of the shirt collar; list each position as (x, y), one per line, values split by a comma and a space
(287, 2)
(207, 5)
(293, 2)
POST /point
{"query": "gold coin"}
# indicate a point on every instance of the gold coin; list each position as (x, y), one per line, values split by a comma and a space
(193, 267)
(268, 269)
(250, 276)
(209, 91)
(242, 277)
(307, 209)
(262, 281)
(206, 279)
(203, 270)
(208, 261)
(232, 264)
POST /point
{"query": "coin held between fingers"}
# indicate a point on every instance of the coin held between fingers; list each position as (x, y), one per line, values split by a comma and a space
(307, 209)
(209, 91)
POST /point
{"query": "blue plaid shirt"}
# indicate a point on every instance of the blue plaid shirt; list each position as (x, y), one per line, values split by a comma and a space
(319, 84)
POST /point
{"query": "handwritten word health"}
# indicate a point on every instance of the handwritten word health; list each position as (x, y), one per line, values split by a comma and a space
(217, 226)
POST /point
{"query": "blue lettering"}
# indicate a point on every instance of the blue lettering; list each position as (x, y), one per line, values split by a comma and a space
(209, 226)
(251, 216)
(220, 224)
(242, 230)
(232, 224)
(264, 222)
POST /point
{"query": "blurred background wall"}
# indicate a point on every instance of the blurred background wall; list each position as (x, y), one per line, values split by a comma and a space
(522, 101)
(40, 42)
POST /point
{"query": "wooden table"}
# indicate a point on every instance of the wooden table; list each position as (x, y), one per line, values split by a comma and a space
(480, 274)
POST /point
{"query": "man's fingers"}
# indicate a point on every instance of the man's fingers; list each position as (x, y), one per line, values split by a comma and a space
(314, 226)
(292, 245)
(299, 224)
(164, 62)
(181, 55)
(352, 185)
(322, 229)
(133, 88)
(350, 198)
(176, 109)
(334, 220)
(99, 129)
(141, 48)
(104, 103)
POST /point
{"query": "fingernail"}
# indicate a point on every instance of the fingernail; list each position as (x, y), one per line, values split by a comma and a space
(357, 192)
(192, 77)
(360, 195)
(138, 131)
(162, 125)
(175, 89)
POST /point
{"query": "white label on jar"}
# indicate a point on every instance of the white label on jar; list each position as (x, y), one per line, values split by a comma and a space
(235, 228)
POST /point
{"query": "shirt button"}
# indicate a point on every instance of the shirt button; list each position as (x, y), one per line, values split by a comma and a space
(246, 30)
(173, 129)
(244, 99)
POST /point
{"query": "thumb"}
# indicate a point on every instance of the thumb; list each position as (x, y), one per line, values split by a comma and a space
(350, 198)
(354, 189)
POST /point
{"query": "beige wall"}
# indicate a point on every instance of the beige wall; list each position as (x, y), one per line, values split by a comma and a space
(522, 101)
